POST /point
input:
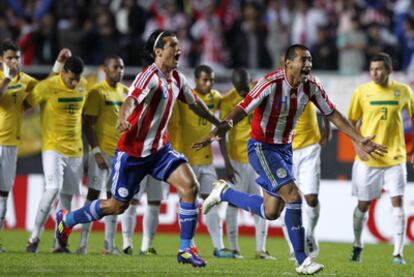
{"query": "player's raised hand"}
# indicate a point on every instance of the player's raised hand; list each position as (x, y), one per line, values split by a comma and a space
(371, 148)
(123, 125)
(63, 55)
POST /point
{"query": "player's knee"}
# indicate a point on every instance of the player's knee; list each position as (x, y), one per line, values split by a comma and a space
(112, 206)
(190, 189)
(272, 214)
(311, 200)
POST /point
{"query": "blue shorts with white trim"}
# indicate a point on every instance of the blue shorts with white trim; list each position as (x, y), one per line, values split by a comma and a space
(128, 171)
(273, 163)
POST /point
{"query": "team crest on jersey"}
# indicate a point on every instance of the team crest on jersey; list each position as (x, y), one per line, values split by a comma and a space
(123, 192)
(281, 172)
(396, 93)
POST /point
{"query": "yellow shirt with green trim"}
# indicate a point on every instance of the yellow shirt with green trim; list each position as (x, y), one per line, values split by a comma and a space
(240, 133)
(61, 115)
(307, 129)
(380, 111)
(103, 102)
(174, 129)
(195, 128)
(11, 107)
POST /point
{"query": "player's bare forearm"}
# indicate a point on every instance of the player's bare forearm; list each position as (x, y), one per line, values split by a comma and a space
(3, 86)
(231, 174)
(90, 130)
(124, 112)
(345, 126)
(200, 109)
(366, 144)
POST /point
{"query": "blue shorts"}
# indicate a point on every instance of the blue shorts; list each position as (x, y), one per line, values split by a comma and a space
(273, 163)
(128, 171)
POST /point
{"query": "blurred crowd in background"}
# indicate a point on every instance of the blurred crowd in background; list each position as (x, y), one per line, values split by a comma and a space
(342, 34)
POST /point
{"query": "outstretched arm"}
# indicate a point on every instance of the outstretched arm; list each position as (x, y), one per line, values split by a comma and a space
(234, 117)
(200, 109)
(364, 143)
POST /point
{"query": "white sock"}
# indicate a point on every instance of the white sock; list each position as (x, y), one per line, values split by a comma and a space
(312, 214)
(86, 229)
(359, 221)
(110, 229)
(66, 201)
(128, 220)
(232, 227)
(215, 228)
(49, 195)
(399, 230)
(149, 225)
(285, 232)
(261, 233)
(3, 209)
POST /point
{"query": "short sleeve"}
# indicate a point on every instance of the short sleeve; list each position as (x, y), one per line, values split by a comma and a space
(355, 109)
(38, 94)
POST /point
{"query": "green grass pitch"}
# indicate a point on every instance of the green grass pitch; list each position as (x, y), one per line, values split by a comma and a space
(16, 262)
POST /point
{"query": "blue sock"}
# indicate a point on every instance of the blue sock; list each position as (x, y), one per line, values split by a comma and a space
(188, 217)
(88, 213)
(293, 221)
(248, 202)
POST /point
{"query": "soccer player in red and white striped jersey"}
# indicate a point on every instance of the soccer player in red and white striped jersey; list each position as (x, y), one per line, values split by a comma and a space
(278, 100)
(144, 147)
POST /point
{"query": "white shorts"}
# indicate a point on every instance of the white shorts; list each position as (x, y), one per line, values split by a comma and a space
(307, 168)
(8, 160)
(156, 190)
(246, 178)
(206, 175)
(63, 173)
(99, 179)
(368, 181)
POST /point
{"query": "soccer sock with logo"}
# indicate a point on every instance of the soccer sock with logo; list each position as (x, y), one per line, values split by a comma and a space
(286, 233)
(248, 202)
(86, 229)
(149, 225)
(293, 221)
(261, 233)
(3, 209)
(43, 211)
(110, 229)
(359, 221)
(215, 228)
(399, 230)
(128, 220)
(188, 217)
(232, 227)
(88, 213)
(312, 214)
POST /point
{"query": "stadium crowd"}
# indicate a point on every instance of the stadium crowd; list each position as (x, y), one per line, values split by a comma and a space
(342, 34)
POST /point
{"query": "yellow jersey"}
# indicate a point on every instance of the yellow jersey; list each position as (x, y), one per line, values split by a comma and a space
(380, 111)
(61, 115)
(174, 129)
(195, 128)
(103, 102)
(11, 107)
(307, 129)
(240, 133)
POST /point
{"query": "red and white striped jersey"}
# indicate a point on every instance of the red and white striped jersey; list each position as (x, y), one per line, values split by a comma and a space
(155, 94)
(277, 106)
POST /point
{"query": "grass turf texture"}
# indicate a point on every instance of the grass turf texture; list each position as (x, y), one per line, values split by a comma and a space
(16, 262)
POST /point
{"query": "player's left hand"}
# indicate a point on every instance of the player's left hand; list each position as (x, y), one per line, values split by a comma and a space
(64, 54)
(324, 140)
(371, 148)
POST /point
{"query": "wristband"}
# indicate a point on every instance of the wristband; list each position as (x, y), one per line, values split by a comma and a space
(96, 150)
(57, 67)
(6, 71)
